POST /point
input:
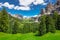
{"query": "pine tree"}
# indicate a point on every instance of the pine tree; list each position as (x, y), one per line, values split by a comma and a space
(15, 27)
(50, 25)
(4, 20)
(1, 22)
(58, 23)
(11, 22)
(55, 16)
(42, 28)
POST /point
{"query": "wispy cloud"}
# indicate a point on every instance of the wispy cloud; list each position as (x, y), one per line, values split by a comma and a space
(10, 6)
(35, 15)
(21, 8)
(0, 5)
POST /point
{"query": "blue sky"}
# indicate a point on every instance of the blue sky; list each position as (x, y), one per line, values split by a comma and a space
(24, 7)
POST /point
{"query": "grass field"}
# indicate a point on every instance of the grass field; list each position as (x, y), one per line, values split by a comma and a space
(30, 36)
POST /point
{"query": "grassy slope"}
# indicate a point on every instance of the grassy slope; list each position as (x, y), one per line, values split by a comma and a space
(30, 36)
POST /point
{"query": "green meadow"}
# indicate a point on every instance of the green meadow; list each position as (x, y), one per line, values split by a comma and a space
(30, 36)
(43, 26)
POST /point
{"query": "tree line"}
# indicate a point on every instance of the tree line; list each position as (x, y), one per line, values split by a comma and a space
(49, 23)
(9, 24)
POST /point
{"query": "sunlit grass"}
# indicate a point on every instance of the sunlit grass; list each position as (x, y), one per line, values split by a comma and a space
(30, 36)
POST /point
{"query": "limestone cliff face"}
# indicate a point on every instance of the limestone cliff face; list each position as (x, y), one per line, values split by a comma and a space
(51, 8)
(57, 6)
(48, 9)
(43, 11)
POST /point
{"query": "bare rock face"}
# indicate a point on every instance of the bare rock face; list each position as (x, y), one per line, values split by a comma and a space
(58, 3)
(57, 6)
(49, 10)
(49, 7)
(18, 16)
(42, 11)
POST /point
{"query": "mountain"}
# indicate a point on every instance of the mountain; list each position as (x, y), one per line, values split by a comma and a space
(49, 10)
(18, 16)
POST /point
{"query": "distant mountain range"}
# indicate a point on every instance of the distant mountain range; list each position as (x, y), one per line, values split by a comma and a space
(45, 11)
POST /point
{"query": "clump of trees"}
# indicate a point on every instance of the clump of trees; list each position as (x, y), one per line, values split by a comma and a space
(55, 18)
(4, 20)
(42, 28)
(9, 24)
(49, 23)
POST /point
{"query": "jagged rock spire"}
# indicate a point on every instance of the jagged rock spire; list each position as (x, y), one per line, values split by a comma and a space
(42, 11)
(58, 2)
(57, 6)
(49, 7)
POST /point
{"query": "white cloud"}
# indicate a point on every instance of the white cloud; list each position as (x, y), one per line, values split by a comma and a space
(27, 16)
(35, 15)
(44, 3)
(22, 8)
(28, 2)
(24, 16)
(10, 6)
(24, 4)
(0, 5)
(16, 7)
(38, 2)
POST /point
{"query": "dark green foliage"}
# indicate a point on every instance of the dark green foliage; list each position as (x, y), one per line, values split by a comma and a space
(42, 28)
(47, 24)
(58, 23)
(11, 22)
(29, 27)
(26, 28)
(1, 29)
(15, 27)
(4, 20)
(50, 25)
(55, 16)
